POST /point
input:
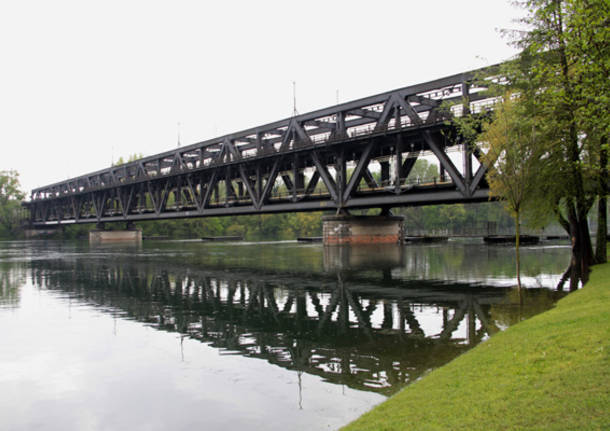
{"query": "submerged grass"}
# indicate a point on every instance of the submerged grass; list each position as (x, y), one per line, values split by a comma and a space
(549, 372)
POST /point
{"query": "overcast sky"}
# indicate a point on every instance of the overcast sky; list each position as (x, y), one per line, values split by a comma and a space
(85, 82)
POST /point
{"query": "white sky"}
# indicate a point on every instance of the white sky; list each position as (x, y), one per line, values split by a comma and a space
(84, 82)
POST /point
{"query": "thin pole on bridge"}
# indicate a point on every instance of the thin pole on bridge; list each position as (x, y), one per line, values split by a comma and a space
(294, 99)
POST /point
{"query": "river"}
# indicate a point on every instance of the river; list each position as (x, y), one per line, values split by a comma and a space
(257, 336)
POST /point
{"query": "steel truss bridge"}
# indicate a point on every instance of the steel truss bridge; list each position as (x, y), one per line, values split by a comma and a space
(353, 155)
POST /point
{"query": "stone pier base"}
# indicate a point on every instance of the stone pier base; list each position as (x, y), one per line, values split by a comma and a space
(96, 236)
(346, 229)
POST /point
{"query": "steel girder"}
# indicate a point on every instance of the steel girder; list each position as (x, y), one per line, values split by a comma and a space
(354, 155)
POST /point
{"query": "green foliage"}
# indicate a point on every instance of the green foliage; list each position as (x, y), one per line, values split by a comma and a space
(456, 219)
(9, 187)
(251, 227)
(562, 76)
(76, 231)
(10, 204)
(568, 54)
(516, 154)
(423, 170)
(131, 158)
(557, 129)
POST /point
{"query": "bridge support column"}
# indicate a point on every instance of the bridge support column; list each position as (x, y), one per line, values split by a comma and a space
(131, 234)
(348, 229)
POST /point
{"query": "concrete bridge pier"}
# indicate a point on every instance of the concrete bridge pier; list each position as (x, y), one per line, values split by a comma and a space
(344, 229)
(100, 234)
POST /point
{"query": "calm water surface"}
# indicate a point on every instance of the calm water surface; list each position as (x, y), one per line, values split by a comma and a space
(257, 336)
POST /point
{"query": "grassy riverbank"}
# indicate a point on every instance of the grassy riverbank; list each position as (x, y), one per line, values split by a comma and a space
(549, 372)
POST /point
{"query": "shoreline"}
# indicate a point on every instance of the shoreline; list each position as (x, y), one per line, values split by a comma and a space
(551, 371)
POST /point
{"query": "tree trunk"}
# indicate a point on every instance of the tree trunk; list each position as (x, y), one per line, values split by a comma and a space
(586, 257)
(582, 251)
(601, 254)
(564, 278)
(575, 277)
(517, 231)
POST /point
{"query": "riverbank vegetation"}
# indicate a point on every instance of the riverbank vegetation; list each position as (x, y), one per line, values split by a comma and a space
(554, 118)
(549, 372)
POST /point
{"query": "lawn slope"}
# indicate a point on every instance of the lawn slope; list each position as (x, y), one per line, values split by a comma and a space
(549, 372)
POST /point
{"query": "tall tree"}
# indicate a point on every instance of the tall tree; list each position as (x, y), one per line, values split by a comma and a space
(550, 76)
(588, 45)
(514, 158)
(10, 203)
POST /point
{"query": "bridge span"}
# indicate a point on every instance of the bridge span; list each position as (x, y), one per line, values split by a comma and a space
(353, 155)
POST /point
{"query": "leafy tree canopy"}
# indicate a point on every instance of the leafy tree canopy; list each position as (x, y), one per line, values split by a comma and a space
(10, 204)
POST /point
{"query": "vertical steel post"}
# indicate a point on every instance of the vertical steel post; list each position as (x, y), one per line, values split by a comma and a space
(340, 166)
(467, 150)
(385, 172)
(398, 163)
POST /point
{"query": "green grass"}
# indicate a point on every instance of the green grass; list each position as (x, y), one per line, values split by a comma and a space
(550, 372)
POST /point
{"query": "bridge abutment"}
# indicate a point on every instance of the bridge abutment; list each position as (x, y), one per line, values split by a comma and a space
(349, 229)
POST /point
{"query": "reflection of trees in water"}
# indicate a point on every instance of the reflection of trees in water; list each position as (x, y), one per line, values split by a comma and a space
(448, 261)
(510, 312)
(372, 336)
(11, 279)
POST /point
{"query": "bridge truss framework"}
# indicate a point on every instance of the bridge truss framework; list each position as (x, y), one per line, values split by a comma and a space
(354, 155)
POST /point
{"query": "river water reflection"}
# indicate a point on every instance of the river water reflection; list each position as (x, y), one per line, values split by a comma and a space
(242, 336)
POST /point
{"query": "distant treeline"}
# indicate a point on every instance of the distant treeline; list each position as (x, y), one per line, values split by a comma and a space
(457, 218)
(254, 227)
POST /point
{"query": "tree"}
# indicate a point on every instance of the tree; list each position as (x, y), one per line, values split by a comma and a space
(10, 203)
(514, 159)
(588, 45)
(557, 82)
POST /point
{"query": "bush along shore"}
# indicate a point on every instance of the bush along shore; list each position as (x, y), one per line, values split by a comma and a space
(550, 372)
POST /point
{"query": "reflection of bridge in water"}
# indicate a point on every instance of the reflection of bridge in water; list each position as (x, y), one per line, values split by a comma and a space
(341, 326)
